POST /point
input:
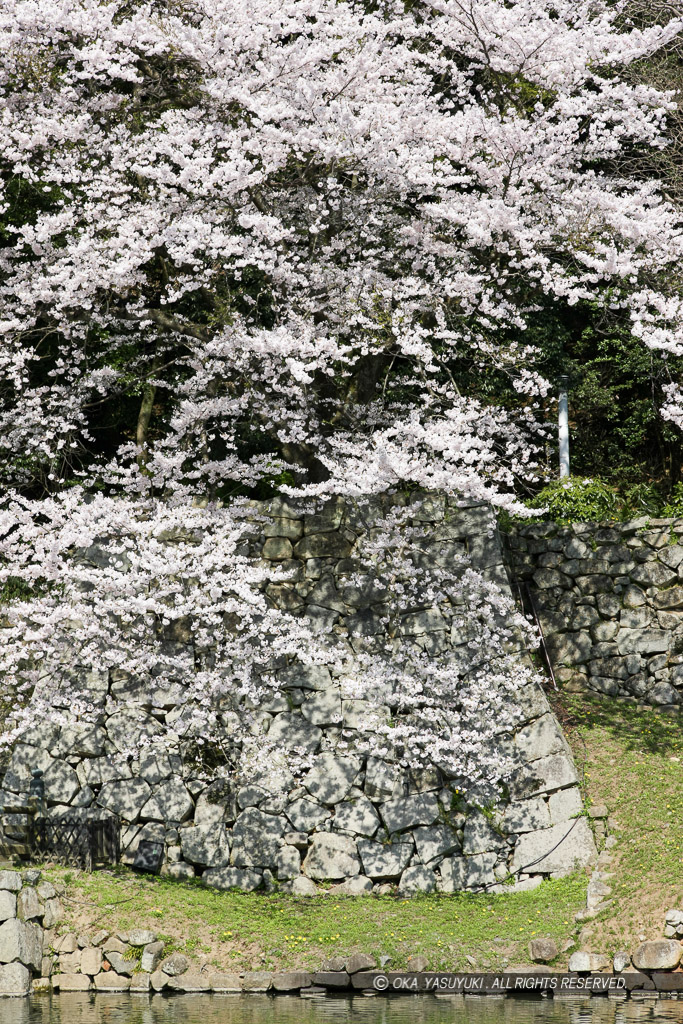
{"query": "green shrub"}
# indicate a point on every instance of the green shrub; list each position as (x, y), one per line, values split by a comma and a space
(578, 499)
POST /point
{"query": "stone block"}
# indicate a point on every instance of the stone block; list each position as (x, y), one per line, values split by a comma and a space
(360, 885)
(175, 964)
(257, 981)
(206, 845)
(109, 981)
(653, 574)
(23, 941)
(125, 797)
(140, 982)
(217, 803)
(243, 879)
(323, 708)
(293, 730)
(288, 863)
(458, 873)
(357, 816)
(290, 981)
(658, 955)
(10, 880)
(222, 981)
(69, 982)
(479, 834)
(29, 906)
(53, 913)
(644, 641)
(582, 962)
(191, 981)
(151, 956)
(305, 815)
(385, 860)
(542, 951)
(407, 812)
(8, 904)
(256, 839)
(417, 878)
(542, 776)
(525, 816)
(91, 960)
(277, 549)
(435, 841)
(331, 777)
(564, 804)
(170, 801)
(557, 850)
(331, 856)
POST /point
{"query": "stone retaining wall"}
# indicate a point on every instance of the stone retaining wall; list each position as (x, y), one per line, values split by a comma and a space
(355, 821)
(29, 907)
(610, 602)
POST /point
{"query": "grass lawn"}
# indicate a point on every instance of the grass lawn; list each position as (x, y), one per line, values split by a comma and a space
(261, 931)
(631, 760)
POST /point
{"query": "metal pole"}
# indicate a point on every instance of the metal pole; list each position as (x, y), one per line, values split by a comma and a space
(563, 425)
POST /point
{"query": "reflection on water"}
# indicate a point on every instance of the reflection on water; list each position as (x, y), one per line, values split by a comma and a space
(113, 1008)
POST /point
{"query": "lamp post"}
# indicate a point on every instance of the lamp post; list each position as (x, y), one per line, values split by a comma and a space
(563, 425)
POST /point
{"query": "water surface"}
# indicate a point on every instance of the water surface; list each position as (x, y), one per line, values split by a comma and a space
(115, 1008)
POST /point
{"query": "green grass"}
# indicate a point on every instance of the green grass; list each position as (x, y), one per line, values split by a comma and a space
(255, 930)
(633, 763)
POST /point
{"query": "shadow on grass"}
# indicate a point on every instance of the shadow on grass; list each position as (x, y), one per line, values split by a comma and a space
(648, 730)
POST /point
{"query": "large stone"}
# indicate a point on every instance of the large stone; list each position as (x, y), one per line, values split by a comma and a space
(407, 812)
(82, 739)
(289, 731)
(331, 777)
(382, 781)
(526, 816)
(23, 941)
(10, 880)
(192, 981)
(357, 816)
(256, 839)
(543, 776)
(582, 962)
(118, 963)
(323, 708)
(97, 771)
(323, 545)
(91, 960)
(644, 641)
(15, 980)
(331, 856)
(359, 885)
(418, 878)
(110, 981)
(61, 783)
(222, 981)
(125, 797)
(288, 863)
(305, 815)
(29, 906)
(303, 886)
(569, 648)
(385, 860)
(68, 982)
(8, 905)
(175, 965)
(669, 600)
(542, 951)
(659, 955)
(435, 841)
(216, 804)
(653, 574)
(564, 804)
(170, 801)
(232, 878)
(257, 981)
(206, 845)
(480, 836)
(25, 758)
(474, 872)
(557, 850)
(151, 956)
(540, 738)
(129, 730)
(290, 981)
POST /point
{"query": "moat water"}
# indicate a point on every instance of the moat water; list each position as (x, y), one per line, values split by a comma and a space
(111, 1008)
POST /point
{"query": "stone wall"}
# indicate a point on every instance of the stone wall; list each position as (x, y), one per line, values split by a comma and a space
(352, 820)
(29, 908)
(610, 602)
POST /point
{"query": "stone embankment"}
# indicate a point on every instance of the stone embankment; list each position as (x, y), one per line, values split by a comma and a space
(29, 909)
(357, 821)
(610, 602)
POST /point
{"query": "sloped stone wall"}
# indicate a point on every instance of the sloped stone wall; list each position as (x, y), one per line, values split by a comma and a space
(610, 602)
(355, 821)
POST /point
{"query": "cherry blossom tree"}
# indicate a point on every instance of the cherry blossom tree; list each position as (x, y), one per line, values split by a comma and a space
(245, 250)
